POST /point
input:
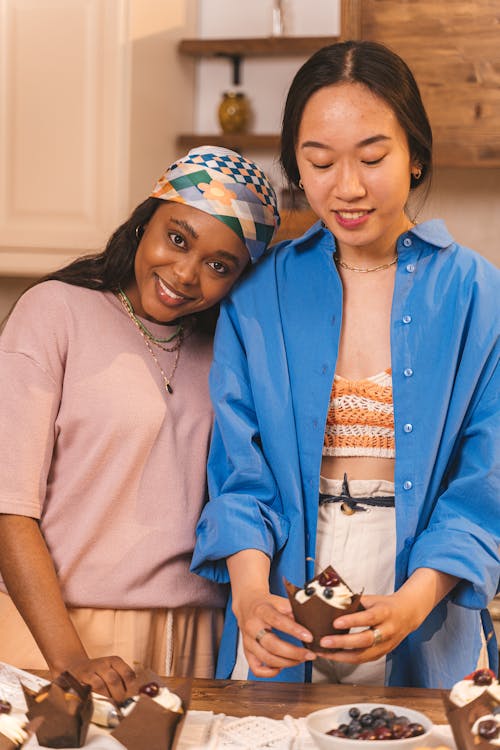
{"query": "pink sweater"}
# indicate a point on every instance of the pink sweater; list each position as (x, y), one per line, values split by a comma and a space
(91, 445)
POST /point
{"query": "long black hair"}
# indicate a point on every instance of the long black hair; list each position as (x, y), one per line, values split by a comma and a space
(379, 69)
(113, 268)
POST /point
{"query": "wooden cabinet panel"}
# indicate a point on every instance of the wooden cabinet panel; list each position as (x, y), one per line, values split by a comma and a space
(453, 49)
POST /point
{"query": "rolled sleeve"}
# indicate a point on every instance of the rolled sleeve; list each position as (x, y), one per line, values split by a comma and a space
(245, 510)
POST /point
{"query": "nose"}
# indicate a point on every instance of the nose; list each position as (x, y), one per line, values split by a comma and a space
(348, 183)
(186, 271)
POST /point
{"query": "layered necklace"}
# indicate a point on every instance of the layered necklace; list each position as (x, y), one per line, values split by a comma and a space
(151, 340)
(357, 269)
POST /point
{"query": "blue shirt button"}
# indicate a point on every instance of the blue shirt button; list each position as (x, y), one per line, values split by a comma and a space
(410, 267)
(408, 427)
(406, 318)
(407, 485)
(408, 372)
(407, 242)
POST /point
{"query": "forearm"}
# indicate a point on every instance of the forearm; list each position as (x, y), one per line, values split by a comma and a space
(31, 580)
(249, 574)
(423, 590)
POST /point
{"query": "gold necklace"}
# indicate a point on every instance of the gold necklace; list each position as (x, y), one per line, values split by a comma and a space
(128, 305)
(167, 380)
(343, 264)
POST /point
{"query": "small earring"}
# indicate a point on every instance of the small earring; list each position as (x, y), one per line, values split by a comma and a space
(301, 186)
(139, 230)
(417, 173)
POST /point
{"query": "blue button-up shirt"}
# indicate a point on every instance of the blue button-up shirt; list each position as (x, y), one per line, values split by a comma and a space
(275, 356)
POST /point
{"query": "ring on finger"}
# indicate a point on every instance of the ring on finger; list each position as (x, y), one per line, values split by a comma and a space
(262, 632)
(377, 636)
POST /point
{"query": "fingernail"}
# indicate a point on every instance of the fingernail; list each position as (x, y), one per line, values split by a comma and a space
(340, 623)
(305, 636)
(310, 656)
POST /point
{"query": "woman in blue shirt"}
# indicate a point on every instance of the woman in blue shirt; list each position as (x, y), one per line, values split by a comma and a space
(359, 364)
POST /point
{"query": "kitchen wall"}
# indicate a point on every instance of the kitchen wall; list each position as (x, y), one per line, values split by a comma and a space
(170, 94)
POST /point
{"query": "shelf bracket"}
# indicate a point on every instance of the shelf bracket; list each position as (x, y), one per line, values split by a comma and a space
(236, 63)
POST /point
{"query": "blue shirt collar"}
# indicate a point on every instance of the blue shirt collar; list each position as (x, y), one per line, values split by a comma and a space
(433, 231)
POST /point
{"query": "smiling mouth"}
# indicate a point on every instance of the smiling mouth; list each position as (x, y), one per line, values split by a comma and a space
(352, 214)
(174, 296)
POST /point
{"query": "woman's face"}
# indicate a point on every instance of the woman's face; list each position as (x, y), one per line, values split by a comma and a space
(186, 262)
(355, 166)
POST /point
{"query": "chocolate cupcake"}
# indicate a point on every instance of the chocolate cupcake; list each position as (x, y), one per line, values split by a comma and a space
(324, 598)
(475, 725)
(153, 717)
(65, 705)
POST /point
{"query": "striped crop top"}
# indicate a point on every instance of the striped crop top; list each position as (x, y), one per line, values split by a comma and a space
(360, 419)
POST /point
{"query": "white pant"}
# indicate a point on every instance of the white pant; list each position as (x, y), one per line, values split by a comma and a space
(362, 548)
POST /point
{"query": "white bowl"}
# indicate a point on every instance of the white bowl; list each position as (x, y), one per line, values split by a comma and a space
(320, 722)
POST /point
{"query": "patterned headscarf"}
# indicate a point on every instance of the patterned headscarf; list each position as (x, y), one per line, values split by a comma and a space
(224, 184)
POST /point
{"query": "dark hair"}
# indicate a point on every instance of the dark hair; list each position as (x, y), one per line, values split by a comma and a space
(379, 69)
(114, 266)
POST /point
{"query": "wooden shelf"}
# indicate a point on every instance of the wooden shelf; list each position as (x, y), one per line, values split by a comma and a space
(281, 46)
(236, 141)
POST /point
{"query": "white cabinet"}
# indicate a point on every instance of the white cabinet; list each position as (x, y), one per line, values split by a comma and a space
(63, 128)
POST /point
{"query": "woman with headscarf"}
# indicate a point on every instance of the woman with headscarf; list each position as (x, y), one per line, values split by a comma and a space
(105, 423)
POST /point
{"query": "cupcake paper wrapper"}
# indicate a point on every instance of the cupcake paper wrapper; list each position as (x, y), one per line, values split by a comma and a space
(462, 718)
(66, 710)
(150, 725)
(317, 616)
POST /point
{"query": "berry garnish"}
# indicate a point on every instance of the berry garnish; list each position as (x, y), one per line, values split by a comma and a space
(488, 729)
(5, 707)
(328, 578)
(379, 724)
(150, 688)
(328, 593)
(483, 677)
(309, 591)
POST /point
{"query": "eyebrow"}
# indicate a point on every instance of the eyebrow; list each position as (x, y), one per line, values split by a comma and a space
(365, 142)
(221, 253)
(185, 225)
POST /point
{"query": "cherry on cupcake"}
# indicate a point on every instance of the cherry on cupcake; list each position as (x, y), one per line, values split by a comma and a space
(150, 688)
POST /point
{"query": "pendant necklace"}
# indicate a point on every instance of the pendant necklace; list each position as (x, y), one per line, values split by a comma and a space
(148, 338)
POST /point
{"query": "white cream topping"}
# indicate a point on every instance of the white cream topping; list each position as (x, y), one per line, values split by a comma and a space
(465, 691)
(487, 717)
(12, 728)
(165, 698)
(169, 700)
(342, 594)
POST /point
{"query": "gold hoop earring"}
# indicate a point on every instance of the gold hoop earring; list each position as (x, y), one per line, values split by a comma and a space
(417, 173)
(301, 186)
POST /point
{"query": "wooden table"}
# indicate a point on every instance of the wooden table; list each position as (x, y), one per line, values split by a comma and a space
(273, 699)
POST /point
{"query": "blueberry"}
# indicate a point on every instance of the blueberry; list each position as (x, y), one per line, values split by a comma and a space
(378, 712)
(366, 720)
(310, 591)
(354, 712)
(354, 729)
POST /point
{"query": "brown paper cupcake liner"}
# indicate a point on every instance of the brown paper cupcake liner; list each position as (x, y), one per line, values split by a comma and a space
(317, 616)
(462, 718)
(66, 708)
